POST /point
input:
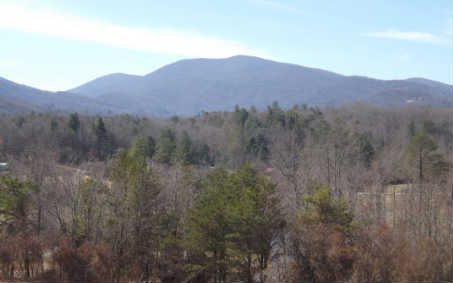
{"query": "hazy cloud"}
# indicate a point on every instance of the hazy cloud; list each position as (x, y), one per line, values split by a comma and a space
(411, 36)
(169, 41)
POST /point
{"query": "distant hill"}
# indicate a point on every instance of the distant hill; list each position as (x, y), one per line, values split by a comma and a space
(441, 87)
(188, 87)
(17, 98)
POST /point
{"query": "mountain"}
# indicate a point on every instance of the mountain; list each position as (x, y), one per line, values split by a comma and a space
(441, 87)
(190, 86)
(120, 83)
(17, 98)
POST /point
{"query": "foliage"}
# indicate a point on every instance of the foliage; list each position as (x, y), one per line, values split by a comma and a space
(15, 201)
(133, 201)
(142, 147)
(166, 146)
(322, 237)
(86, 263)
(186, 152)
(367, 150)
(104, 141)
(143, 199)
(234, 223)
(319, 207)
(74, 122)
(420, 149)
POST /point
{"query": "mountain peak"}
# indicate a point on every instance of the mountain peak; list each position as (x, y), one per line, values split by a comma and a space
(190, 86)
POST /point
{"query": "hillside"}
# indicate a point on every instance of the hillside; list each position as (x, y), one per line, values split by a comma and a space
(17, 98)
(343, 183)
(190, 86)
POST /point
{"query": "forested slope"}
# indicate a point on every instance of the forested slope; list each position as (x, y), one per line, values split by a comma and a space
(354, 193)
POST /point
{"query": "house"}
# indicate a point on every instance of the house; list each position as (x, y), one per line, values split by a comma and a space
(3, 166)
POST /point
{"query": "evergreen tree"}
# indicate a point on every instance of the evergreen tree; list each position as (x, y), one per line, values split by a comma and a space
(15, 200)
(151, 146)
(274, 115)
(320, 207)
(20, 120)
(134, 203)
(103, 145)
(412, 129)
(421, 149)
(234, 224)
(256, 221)
(240, 116)
(238, 140)
(166, 146)
(74, 121)
(258, 147)
(203, 155)
(142, 147)
(429, 127)
(322, 237)
(367, 152)
(209, 227)
(185, 150)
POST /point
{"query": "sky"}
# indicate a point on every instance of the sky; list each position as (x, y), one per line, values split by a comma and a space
(60, 44)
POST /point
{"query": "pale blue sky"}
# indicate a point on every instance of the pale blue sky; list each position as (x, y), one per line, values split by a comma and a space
(59, 44)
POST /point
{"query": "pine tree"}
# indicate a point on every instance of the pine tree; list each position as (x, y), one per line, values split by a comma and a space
(234, 223)
(209, 227)
(412, 129)
(74, 121)
(322, 237)
(134, 203)
(186, 150)
(166, 146)
(15, 200)
(421, 148)
(256, 220)
(141, 148)
(102, 145)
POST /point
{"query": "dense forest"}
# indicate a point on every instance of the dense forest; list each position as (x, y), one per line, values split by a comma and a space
(353, 193)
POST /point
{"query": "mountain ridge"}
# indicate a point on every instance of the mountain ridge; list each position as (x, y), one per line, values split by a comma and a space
(189, 86)
(27, 99)
(186, 87)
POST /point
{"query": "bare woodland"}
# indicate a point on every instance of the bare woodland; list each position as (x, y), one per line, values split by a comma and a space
(354, 193)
